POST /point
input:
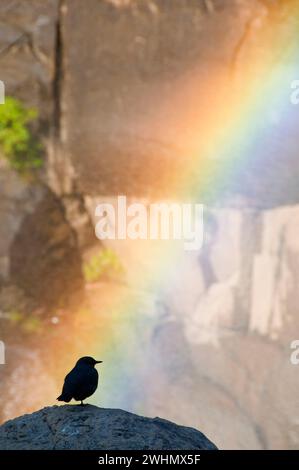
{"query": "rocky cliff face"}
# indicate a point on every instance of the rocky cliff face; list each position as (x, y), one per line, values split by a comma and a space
(117, 87)
(38, 246)
(219, 332)
(108, 82)
(89, 427)
(235, 310)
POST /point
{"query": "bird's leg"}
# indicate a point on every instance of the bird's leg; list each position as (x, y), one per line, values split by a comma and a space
(81, 404)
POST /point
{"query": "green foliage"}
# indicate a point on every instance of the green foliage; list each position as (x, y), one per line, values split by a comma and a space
(27, 323)
(16, 317)
(17, 143)
(105, 264)
(32, 325)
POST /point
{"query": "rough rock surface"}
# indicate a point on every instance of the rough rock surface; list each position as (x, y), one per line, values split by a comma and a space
(118, 86)
(38, 246)
(27, 52)
(75, 427)
(45, 253)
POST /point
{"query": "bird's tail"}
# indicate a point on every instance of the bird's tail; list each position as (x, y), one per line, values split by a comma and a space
(64, 397)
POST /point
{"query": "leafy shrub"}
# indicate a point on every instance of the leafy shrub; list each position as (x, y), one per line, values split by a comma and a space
(105, 264)
(19, 146)
(28, 323)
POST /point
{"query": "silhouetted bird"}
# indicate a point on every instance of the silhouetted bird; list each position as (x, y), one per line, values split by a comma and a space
(81, 382)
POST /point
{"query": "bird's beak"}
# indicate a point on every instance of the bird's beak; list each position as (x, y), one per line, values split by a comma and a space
(98, 362)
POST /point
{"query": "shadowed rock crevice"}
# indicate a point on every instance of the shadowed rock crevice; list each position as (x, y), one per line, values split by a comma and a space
(58, 73)
(45, 259)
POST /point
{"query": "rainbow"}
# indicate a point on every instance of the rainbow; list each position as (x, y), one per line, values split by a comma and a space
(232, 131)
(238, 111)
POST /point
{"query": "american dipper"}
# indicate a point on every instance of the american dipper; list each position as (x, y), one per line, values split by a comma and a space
(81, 382)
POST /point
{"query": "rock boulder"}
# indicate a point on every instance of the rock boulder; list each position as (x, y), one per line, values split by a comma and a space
(90, 427)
